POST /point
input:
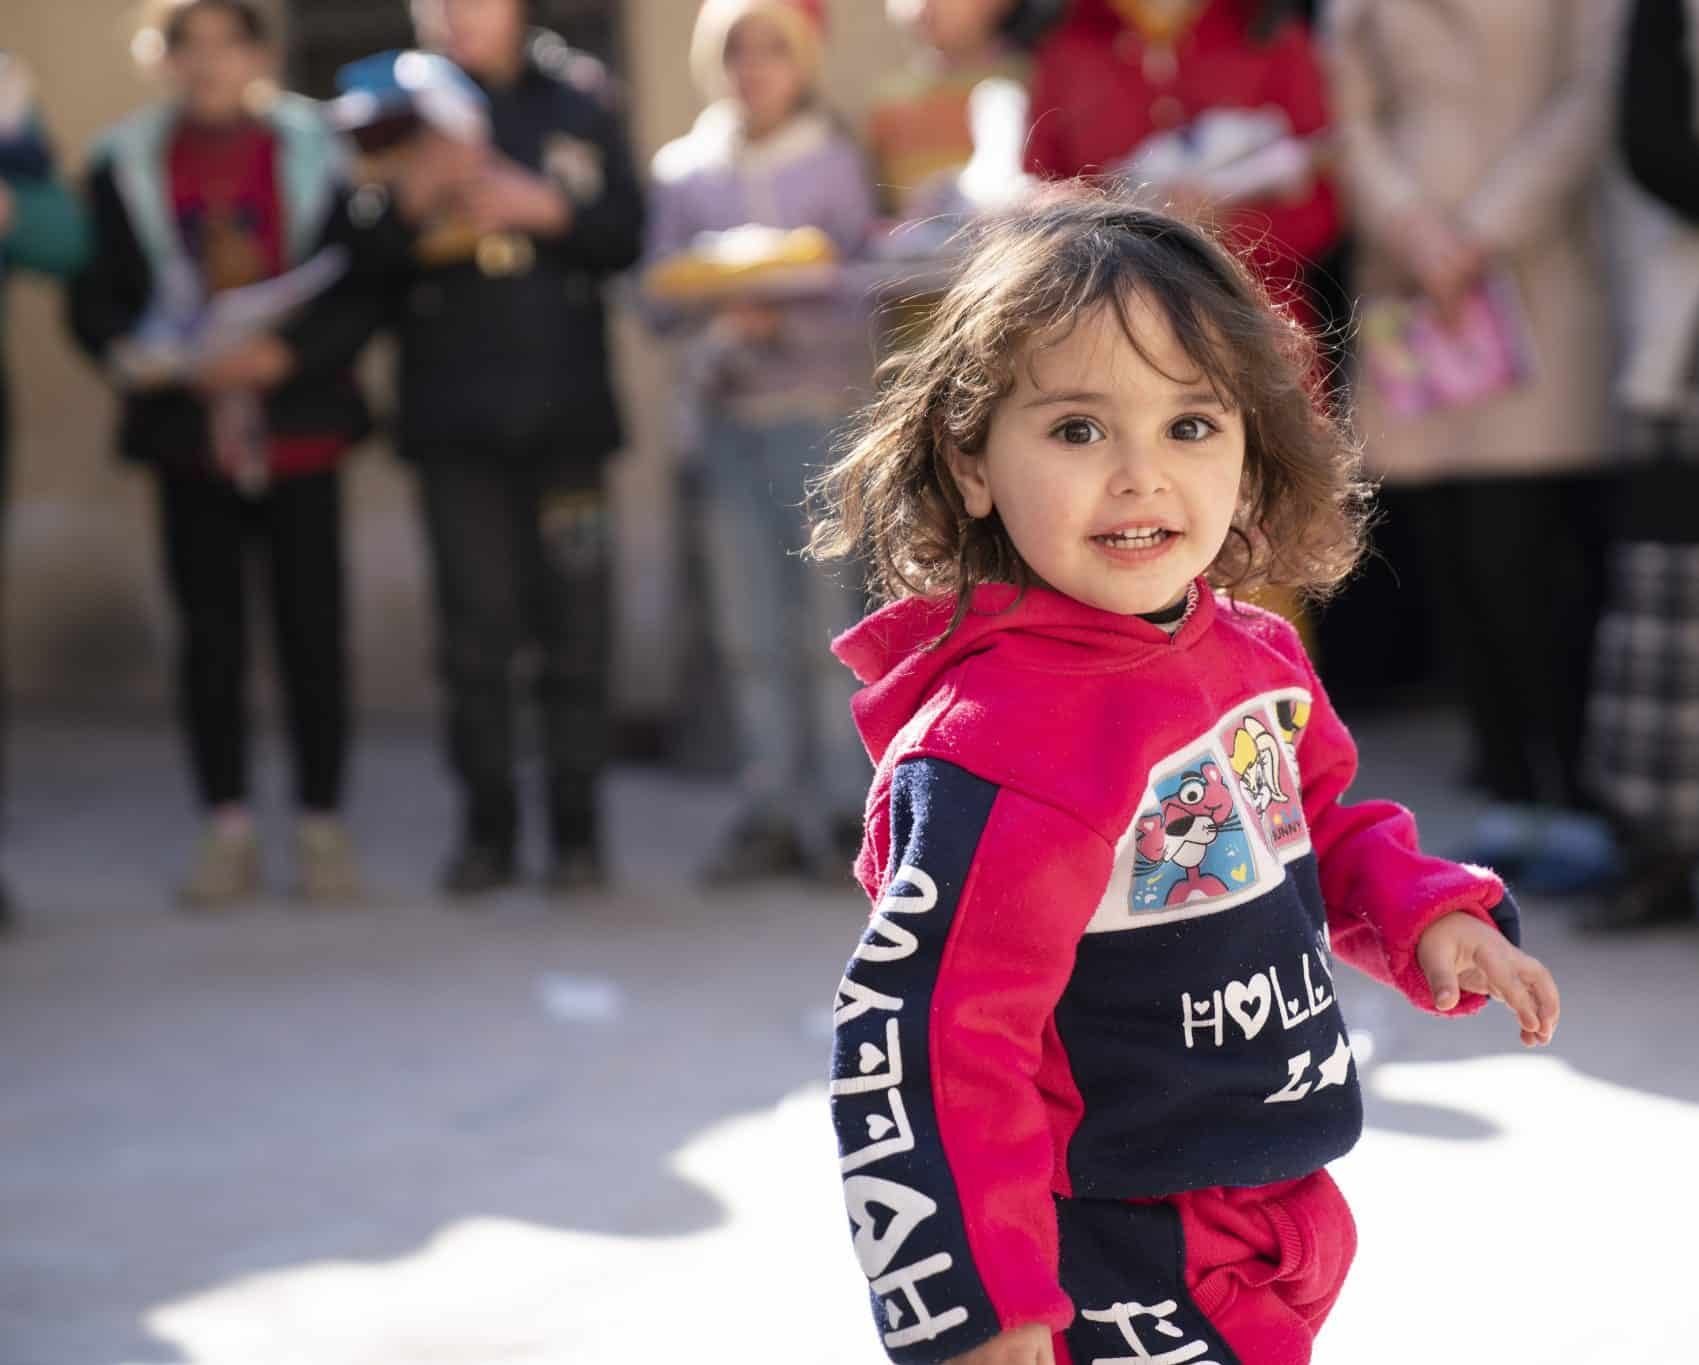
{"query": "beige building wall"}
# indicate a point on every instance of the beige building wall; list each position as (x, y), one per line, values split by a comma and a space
(87, 622)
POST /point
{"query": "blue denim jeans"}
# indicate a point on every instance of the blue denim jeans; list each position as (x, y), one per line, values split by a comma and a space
(774, 618)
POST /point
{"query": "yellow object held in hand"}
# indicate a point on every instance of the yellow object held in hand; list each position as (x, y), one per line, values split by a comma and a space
(728, 263)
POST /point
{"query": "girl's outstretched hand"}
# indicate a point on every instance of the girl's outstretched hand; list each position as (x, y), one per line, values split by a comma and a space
(1029, 1345)
(1460, 953)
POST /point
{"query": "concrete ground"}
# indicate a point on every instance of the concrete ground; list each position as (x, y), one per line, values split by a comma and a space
(594, 1133)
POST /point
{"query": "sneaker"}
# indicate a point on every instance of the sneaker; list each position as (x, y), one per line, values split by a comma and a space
(834, 865)
(1661, 894)
(1576, 853)
(327, 866)
(479, 868)
(1503, 837)
(1544, 850)
(226, 870)
(757, 848)
(575, 869)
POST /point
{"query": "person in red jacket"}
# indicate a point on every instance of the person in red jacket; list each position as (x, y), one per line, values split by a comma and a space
(1118, 75)
(1090, 1064)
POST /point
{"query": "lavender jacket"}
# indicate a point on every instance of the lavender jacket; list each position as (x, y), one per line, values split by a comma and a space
(808, 173)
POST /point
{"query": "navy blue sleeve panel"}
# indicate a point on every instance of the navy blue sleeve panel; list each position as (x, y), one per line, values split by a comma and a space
(1507, 914)
(941, 1017)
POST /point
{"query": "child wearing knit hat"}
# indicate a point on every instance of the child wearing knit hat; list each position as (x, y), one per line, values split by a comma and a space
(800, 25)
(769, 369)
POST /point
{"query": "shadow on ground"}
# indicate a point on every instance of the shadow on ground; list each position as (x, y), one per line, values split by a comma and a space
(194, 1100)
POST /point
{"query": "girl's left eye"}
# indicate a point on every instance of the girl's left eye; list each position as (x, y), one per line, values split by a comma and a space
(1077, 431)
(1192, 429)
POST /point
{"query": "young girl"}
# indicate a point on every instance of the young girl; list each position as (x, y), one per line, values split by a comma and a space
(770, 382)
(1090, 1063)
(221, 186)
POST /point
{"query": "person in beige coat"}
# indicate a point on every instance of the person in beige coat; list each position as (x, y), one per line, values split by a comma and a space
(1469, 136)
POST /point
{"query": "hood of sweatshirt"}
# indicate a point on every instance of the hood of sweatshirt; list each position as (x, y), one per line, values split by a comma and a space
(899, 655)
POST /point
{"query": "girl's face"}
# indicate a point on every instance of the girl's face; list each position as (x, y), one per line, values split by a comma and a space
(1117, 480)
(484, 38)
(766, 78)
(214, 64)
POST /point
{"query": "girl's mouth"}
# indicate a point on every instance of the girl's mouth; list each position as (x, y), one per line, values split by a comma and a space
(1145, 542)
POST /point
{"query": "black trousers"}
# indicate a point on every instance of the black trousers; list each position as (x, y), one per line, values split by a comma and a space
(520, 549)
(1515, 567)
(208, 530)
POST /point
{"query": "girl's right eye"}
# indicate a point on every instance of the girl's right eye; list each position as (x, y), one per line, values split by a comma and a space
(1077, 431)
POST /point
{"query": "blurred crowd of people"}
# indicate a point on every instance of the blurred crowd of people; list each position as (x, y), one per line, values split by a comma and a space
(1424, 180)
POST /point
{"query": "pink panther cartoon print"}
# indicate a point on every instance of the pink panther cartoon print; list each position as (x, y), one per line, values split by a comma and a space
(1195, 833)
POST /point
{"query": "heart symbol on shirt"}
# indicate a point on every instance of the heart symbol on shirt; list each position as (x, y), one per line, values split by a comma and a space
(1238, 997)
(1241, 872)
(880, 1235)
(878, 1125)
(871, 1058)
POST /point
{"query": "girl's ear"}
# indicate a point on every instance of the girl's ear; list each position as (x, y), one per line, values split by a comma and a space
(969, 473)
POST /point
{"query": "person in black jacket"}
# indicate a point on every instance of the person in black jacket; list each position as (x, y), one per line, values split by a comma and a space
(214, 190)
(506, 404)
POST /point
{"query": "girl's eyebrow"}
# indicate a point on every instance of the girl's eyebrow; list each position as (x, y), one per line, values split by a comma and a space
(1045, 400)
(1196, 398)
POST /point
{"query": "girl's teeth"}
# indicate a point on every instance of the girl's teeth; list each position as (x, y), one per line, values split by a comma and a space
(1141, 540)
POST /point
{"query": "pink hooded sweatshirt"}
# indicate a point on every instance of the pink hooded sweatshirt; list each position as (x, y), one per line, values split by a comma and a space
(1110, 868)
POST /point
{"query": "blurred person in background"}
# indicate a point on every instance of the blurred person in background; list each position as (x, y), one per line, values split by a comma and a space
(1213, 109)
(487, 254)
(1643, 734)
(770, 377)
(226, 184)
(42, 229)
(1121, 85)
(1470, 138)
(918, 124)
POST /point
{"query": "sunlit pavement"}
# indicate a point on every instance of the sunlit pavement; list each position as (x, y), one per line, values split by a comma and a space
(594, 1133)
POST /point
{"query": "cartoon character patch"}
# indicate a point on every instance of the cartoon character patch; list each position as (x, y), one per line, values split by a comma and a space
(1192, 847)
(1292, 714)
(1261, 752)
(1219, 820)
(1256, 758)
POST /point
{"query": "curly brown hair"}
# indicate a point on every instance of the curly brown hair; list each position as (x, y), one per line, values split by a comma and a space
(1033, 276)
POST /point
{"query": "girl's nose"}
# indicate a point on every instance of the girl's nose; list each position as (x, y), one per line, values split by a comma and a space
(1138, 472)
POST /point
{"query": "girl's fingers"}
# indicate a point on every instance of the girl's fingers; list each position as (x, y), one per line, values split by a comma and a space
(1513, 990)
(1474, 979)
(1544, 989)
(1442, 981)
